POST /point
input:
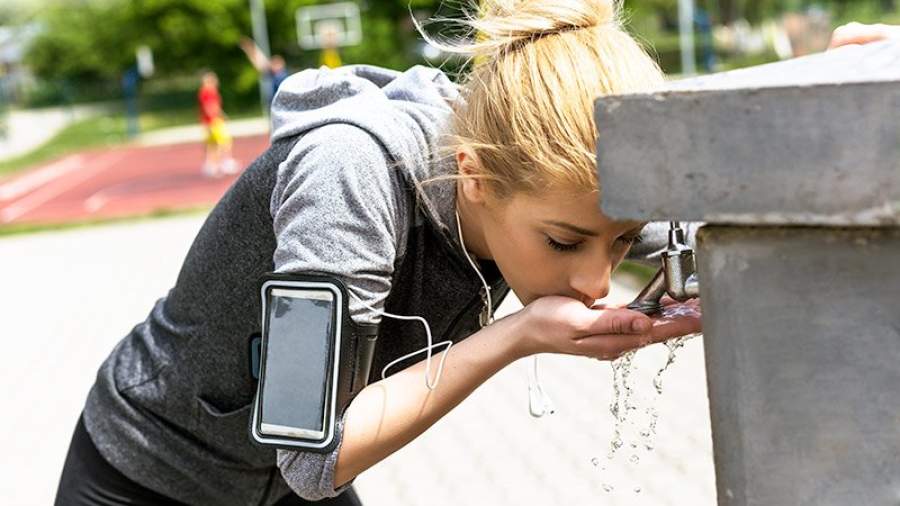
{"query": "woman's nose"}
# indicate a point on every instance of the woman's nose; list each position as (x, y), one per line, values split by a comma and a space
(592, 283)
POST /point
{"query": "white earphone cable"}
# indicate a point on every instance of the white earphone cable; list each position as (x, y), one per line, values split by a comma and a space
(427, 349)
(539, 402)
(487, 290)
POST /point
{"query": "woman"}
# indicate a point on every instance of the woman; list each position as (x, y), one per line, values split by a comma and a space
(356, 185)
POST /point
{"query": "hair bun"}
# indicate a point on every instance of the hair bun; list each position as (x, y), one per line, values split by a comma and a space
(506, 22)
(498, 26)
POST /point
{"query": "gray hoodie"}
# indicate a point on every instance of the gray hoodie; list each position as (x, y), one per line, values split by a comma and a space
(338, 192)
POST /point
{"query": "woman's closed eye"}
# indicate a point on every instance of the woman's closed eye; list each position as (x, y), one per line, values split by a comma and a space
(562, 245)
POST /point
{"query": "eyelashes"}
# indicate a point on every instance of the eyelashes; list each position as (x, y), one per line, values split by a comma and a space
(566, 247)
(560, 246)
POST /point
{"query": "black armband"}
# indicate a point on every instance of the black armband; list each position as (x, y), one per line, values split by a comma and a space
(311, 360)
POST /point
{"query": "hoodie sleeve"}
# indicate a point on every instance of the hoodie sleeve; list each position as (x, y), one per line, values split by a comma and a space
(655, 239)
(338, 207)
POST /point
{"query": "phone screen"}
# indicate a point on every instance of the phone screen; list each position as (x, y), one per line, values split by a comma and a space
(295, 382)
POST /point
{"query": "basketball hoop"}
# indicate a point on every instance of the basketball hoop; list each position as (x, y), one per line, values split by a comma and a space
(329, 26)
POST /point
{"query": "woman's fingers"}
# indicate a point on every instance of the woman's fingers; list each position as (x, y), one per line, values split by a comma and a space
(678, 319)
(611, 346)
(613, 321)
(665, 329)
(858, 33)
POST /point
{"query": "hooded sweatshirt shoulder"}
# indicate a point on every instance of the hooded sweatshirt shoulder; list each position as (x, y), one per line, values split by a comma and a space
(366, 133)
(335, 193)
(405, 112)
(340, 203)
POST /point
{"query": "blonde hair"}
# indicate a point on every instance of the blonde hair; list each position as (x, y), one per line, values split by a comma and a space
(537, 66)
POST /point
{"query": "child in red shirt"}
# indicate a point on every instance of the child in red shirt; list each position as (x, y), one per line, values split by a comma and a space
(218, 160)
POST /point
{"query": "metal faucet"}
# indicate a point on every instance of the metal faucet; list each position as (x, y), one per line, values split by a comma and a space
(677, 277)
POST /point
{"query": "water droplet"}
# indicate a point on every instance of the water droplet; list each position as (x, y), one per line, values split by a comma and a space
(637, 490)
(634, 445)
(595, 461)
(607, 487)
(634, 459)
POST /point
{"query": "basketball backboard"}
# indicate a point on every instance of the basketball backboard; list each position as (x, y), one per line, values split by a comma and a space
(329, 25)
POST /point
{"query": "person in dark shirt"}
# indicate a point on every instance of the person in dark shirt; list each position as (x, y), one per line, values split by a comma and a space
(274, 67)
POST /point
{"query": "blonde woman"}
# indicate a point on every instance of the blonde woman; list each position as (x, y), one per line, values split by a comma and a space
(425, 199)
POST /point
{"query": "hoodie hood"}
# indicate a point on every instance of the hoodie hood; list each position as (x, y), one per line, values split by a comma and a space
(407, 112)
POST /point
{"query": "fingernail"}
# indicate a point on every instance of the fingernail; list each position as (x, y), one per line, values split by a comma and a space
(640, 326)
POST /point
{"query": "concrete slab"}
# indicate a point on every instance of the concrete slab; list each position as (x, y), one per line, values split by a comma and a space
(811, 141)
(804, 340)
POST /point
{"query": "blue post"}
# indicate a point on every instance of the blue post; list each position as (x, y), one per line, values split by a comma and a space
(130, 80)
(704, 26)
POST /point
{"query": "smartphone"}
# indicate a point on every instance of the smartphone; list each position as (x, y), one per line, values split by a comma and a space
(302, 337)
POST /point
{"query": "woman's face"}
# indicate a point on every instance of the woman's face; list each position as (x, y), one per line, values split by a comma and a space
(558, 243)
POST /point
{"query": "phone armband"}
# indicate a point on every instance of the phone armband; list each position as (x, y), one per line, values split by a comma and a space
(311, 359)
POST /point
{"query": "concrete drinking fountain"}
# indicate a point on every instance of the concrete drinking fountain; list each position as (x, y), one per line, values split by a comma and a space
(795, 169)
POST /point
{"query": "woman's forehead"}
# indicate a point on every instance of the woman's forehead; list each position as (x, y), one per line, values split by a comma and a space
(580, 209)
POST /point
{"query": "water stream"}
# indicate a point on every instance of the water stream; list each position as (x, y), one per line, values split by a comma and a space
(629, 431)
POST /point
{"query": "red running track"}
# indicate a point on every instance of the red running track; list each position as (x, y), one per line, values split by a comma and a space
(118, 182)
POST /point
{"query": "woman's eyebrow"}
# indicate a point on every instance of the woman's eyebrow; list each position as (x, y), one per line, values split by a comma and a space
(573, 228)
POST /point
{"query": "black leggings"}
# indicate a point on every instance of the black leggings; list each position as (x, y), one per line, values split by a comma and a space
(89, 480)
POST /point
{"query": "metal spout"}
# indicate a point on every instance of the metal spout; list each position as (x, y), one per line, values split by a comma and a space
(677, 277)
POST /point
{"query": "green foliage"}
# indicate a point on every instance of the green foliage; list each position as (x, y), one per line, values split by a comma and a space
(98, 39)
(94, 41)
(86, 45)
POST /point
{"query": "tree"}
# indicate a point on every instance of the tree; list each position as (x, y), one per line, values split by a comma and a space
(95, 40)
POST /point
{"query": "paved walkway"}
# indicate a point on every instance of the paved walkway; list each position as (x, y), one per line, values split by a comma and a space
(28, 129)
(68, 297)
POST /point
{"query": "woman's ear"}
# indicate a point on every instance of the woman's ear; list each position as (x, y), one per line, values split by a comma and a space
(473, 186)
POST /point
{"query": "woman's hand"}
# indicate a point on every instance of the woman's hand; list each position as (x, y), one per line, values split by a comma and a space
(562, 325)
(676, 319)
(858, 33)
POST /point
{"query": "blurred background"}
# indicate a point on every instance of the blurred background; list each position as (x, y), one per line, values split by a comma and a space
(102, 72)
(103, 185)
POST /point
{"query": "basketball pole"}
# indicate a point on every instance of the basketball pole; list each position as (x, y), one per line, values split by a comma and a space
(261, 37)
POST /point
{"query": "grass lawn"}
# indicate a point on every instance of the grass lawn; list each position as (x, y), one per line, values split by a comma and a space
(108, 129)
(27, 228)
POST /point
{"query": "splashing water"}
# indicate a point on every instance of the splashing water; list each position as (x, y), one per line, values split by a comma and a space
(623, 391)
(669, 314)
(621, 403)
